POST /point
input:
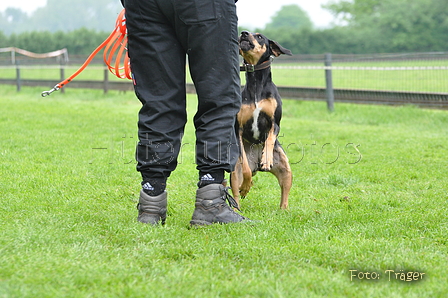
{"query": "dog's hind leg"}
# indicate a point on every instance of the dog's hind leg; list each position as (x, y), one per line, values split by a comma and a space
(235, 181)
(282, 171)
(246, 182)
(241, 177)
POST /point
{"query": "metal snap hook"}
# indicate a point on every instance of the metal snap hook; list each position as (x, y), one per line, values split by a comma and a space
(46, 93)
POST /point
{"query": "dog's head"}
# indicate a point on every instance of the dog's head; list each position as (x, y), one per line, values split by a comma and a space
(257, 48)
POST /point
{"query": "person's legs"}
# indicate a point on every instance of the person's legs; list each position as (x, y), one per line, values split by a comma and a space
(158, 69)
(160, 32)
(214, 66)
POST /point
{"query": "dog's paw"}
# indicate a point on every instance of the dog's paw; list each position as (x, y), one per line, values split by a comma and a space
(244, 189)
(244, 192)
(267, 162)
(266, 167)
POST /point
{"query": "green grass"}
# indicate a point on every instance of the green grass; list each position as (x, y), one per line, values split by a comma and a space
(388, 80)
(369, 194)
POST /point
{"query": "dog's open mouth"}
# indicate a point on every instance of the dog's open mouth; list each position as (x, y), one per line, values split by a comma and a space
(246, 45)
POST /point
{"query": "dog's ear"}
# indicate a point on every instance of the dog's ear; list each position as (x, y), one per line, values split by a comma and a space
(277, 49)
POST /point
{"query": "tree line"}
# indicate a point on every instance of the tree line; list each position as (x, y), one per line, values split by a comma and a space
(78, 42)
(363, 26)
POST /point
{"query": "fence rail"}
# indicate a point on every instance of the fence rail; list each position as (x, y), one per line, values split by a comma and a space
(393, 79)
(432, 100)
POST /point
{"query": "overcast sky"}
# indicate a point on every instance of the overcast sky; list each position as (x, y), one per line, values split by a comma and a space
(251, 13)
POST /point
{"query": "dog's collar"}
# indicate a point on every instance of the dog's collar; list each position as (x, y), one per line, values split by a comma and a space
(251, 68)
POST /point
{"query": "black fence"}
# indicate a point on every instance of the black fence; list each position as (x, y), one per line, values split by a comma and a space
(432, 100)
(324, 66)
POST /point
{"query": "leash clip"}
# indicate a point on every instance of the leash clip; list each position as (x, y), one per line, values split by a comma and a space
(46, 93)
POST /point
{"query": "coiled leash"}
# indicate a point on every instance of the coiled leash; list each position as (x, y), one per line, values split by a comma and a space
(115, 47)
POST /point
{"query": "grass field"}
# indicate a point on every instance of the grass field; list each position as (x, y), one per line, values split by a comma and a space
(369, 194)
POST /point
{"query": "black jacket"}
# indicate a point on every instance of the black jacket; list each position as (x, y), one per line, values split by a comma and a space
(122, 2)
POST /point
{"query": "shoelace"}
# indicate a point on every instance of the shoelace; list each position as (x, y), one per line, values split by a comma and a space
(230, 199)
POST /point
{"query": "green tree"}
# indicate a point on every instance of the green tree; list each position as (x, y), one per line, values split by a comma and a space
(68, 15)
(414, 25)
(78, 42)
(63, 15)
(288, 23)
(290, 17)
(396, 25)
(354, 10)
(370, 26)
(13, 19)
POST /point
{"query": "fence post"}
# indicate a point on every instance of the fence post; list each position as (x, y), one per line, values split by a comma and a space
(62, 72)
(18, 79)
(106, 80)
(329, 83)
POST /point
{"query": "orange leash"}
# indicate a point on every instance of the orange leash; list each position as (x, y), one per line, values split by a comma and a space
(117, 40)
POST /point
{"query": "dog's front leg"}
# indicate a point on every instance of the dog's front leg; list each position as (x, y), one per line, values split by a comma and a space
(267, 157)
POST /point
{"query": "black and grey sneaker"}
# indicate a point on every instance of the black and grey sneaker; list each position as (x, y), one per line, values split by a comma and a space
(211, 206)
(152, 210)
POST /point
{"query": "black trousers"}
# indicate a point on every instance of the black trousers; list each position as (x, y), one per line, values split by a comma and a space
(161, 35)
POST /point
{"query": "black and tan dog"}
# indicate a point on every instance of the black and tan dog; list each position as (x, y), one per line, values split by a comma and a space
(259, 119)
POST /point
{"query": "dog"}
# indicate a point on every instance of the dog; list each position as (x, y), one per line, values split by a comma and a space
(258, 121)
